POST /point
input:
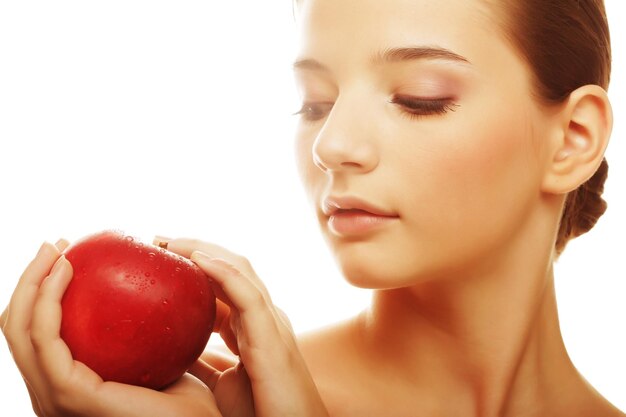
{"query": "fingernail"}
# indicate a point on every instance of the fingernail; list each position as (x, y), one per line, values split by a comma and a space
(42, 247)
(61, 244)
(161, 241)
(58, 265)
(200, 256)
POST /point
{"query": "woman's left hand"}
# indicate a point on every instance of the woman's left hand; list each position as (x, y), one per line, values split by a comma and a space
(271, 378)
(60, 386)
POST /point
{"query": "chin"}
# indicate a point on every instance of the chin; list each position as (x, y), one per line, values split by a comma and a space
(385, 266)
(378, 273)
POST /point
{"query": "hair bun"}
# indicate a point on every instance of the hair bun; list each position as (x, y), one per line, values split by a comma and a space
(583, 208)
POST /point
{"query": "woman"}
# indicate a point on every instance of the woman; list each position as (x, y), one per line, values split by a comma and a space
(450, 155)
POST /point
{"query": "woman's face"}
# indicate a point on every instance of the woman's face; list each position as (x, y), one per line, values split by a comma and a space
(445, 140)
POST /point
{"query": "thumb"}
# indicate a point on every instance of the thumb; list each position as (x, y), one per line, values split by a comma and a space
(222, 326)
(222, 315)
(205, 373)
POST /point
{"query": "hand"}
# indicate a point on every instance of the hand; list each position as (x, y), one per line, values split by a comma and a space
(60, 386)
(271, 378)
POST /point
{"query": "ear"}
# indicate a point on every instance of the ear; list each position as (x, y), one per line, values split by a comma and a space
(582, 135)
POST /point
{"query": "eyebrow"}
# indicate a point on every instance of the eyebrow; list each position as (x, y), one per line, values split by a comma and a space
(391, 55)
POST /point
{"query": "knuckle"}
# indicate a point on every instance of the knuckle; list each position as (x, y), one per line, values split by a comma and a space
(63, 402)
(196, 243)
(230, 267)
(60, 402)
(256, 300)
(284, 318)
(7, 336)
(8, 332)
(36, 409)
(37, 339)
(243, 261)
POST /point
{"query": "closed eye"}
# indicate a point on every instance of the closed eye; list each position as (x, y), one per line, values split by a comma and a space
(413, 107)
(416, 107)
(311, 112)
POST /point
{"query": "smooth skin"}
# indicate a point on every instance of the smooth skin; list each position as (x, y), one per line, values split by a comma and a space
(463, 319)
(273, 382)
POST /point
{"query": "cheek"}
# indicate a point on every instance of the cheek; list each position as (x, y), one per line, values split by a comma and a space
(475, 184)
(310, 174)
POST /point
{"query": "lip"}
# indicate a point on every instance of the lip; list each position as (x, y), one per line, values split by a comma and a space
(332, 205)
(352, 216)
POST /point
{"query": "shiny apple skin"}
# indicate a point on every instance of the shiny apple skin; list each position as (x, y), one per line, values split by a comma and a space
(133, 312)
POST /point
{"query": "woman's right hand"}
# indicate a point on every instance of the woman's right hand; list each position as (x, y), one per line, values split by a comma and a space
(270, 377)
(60, 386)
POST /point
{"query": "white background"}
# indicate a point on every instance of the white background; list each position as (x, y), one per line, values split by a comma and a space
(173, 118)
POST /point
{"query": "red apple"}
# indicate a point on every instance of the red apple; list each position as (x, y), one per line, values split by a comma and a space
(133, 312)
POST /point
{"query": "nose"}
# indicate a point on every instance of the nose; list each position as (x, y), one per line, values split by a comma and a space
(345, 142)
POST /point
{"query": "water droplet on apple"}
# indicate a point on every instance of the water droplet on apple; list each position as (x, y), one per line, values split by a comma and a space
(152, 282)
(147, 274)
(165, 302)
(151, 256)
(168, 328)
(178, 269)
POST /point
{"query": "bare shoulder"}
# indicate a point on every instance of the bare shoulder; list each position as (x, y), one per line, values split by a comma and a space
(326, 337)
(587, 401)
(329, 347)
(333, 358)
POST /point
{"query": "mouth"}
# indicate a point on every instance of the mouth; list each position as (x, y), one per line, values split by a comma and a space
(351, 216)
(355, 212)
(352, 205)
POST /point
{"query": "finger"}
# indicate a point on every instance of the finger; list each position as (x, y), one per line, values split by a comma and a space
(222, 319)
(237, 289)
(251, 304)
(228, 335)
(283, 317)
(218, 359)
(62, 244)
(27, 287)
(205, 373)
(185, 247)
(222, 313)
(54, 357)
(33, 398)
(3, 318)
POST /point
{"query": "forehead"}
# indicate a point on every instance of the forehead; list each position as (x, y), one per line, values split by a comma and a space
(332, 31)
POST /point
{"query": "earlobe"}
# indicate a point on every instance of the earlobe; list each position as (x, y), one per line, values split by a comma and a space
(583, 135)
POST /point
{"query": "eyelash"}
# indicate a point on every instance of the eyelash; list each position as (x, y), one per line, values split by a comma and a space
(307, 109)
(413, 107)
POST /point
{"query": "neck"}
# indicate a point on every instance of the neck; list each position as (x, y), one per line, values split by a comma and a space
(492, 343)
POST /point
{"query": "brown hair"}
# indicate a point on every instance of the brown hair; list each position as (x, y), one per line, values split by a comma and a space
(566, 43)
